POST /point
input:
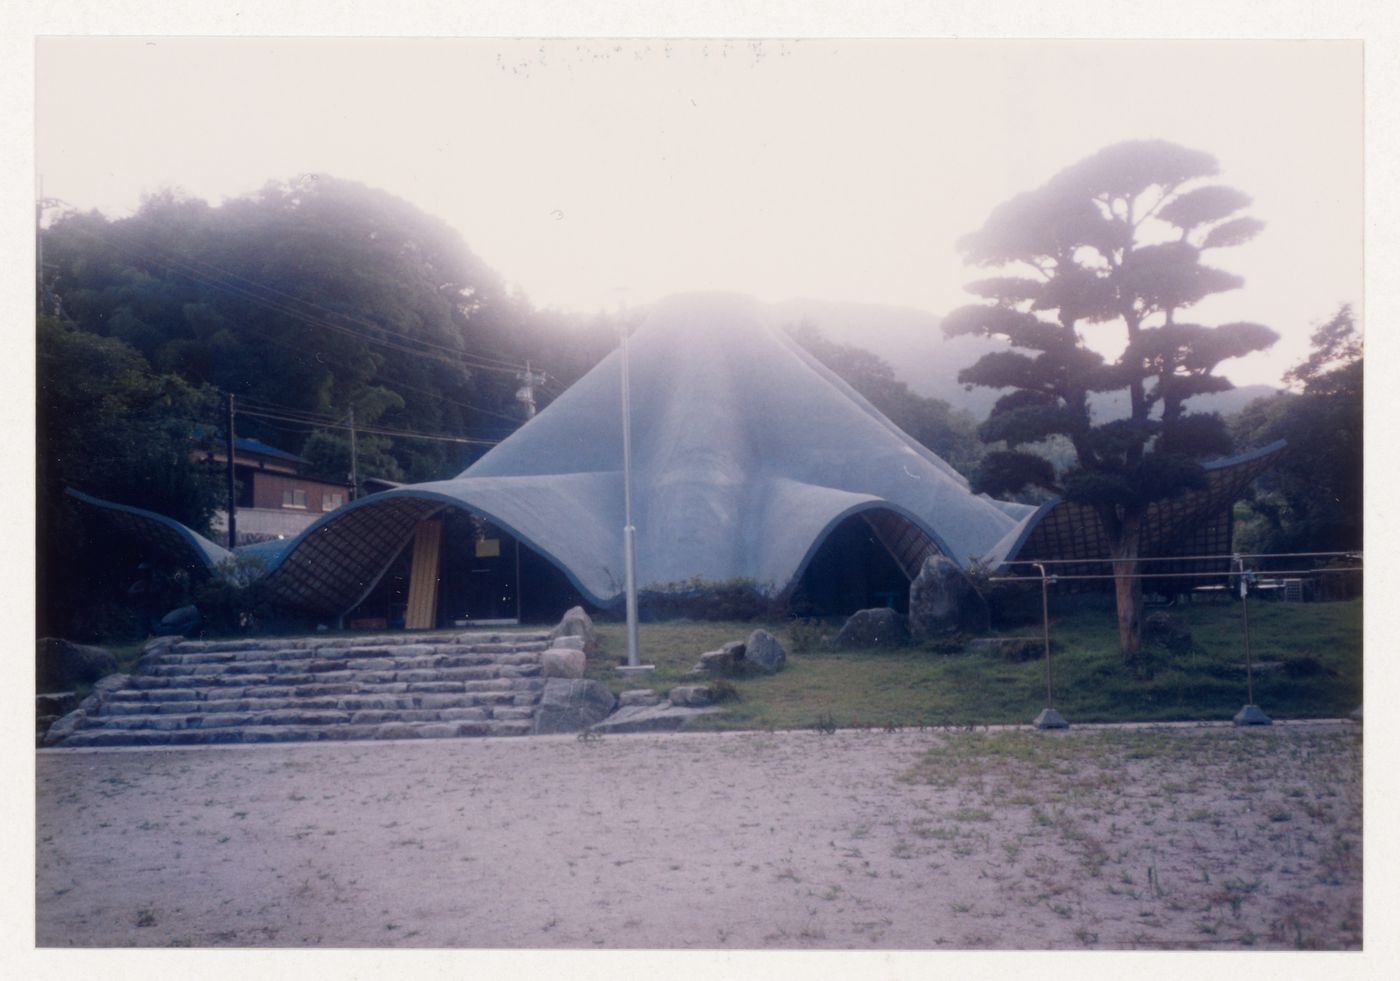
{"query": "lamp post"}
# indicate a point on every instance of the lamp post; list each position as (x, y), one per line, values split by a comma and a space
(629, 532)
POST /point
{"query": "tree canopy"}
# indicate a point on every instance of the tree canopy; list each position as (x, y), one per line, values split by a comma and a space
(316, 297)
(1312, 501)
(1115, 244)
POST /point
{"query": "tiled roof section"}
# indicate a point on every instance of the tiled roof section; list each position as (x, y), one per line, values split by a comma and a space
(1192, 524)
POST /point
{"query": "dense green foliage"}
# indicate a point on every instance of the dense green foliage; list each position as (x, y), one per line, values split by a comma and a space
(1115, 243)
(308, 300)
(1311, 501)
(949, 432)
(304, 302)
(108, 424)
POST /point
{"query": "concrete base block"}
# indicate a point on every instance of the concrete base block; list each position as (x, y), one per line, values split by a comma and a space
(631, 669)
(1251, 715)
(1050, 719)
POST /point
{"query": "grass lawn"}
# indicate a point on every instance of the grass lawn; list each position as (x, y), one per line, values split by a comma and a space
(1307, 665)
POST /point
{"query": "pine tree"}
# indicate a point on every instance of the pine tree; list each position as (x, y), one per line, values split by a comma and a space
(1114, 243)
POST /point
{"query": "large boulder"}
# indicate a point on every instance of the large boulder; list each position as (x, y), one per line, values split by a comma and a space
(728, 660)
(762, 652)
(61, 664)
(562, 662)
(577, 623)
(874, 628)
(942, 601)
(638, 697)
(568, 705)
(690, 696)
(180, 622)
(663, 717)
(65, 727)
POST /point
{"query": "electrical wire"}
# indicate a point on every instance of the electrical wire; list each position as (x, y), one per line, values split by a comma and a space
(189, 267)
(370, 430)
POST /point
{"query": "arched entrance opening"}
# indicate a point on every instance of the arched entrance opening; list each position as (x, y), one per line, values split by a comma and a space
(866, 561)
(459, 569)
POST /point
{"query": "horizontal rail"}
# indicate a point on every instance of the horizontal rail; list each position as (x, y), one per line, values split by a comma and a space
(1355, 554)
(1269, 573)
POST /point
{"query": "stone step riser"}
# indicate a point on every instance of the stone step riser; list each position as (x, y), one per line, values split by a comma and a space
(322, 666)
(295, 733)
(412, 676)
(423, 654)
(480, 641)
(301, 717)
(303, 692)
(353, 703)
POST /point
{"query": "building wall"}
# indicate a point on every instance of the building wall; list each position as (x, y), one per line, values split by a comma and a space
(261, 524)
(270, 490)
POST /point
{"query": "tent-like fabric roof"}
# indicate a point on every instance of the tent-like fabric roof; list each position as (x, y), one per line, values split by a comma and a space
(747, 453)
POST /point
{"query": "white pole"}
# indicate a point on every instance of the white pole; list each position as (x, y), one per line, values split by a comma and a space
(629, 533)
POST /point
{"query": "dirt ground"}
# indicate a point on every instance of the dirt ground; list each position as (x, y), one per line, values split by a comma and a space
(1169, 837)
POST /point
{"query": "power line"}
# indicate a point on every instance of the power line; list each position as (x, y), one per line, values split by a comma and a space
(466, 358)
(190, 268)
(372, 430)
(1188, 558)
(194, 263)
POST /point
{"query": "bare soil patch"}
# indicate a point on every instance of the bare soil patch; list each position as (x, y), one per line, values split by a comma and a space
(1163, 837)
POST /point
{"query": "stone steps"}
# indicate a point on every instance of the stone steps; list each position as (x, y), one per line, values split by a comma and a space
(389, 687)
(296, 733)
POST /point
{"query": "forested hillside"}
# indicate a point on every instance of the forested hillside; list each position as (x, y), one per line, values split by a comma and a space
(313, 299)
(304, 302)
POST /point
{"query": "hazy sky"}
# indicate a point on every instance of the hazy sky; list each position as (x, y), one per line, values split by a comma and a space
(828, 169)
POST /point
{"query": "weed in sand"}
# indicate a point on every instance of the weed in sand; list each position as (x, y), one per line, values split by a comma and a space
(971, 814)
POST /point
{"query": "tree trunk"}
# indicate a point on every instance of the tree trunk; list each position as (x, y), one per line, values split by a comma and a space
(1127, 588)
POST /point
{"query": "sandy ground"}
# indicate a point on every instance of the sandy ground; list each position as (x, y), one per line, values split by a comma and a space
(1171, 837)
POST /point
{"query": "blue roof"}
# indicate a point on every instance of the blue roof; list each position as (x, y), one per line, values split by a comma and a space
(250, 445)
(258, 446)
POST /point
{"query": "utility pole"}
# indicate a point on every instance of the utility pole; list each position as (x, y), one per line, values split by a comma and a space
(526, 393)
(232, 501)
(354, 463)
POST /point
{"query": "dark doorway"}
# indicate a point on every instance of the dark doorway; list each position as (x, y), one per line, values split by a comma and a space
(484, 574)
(851, 571)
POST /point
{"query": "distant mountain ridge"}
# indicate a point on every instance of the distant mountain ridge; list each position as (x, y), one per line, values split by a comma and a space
(912, 341)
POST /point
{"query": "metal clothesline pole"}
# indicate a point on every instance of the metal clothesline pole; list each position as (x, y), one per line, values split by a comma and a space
(1048, 718)
(1251, 714)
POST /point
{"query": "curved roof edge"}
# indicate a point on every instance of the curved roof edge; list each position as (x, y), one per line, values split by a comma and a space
(208, 554)
(449, 499)
(873, 504)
